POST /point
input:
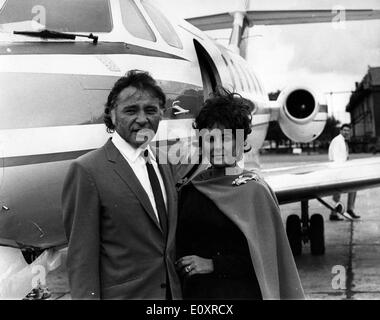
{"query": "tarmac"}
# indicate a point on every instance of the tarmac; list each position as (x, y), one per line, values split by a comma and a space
(350, 267)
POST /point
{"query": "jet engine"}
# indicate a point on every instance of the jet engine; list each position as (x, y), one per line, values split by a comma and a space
(301, 117)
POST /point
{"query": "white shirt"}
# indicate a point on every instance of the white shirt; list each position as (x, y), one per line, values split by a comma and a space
(338, 149)
(137, 162)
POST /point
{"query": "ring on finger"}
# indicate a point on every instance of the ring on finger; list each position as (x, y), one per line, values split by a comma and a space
(188, 268)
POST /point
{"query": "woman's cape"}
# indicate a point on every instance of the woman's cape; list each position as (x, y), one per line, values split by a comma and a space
(249, 202)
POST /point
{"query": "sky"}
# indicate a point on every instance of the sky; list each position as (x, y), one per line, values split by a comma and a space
(326, 56)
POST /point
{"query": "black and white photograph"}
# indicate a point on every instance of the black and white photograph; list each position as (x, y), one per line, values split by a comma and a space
(192, 150)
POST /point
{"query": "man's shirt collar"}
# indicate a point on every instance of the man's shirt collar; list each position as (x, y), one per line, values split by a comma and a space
(128, 151)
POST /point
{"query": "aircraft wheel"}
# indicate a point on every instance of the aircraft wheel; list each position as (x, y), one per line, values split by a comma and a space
(317, 235)
(293, 231)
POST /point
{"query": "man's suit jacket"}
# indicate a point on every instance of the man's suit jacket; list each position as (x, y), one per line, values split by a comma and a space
(116, 246)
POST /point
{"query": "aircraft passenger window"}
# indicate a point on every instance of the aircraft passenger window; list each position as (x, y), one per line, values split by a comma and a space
(237, 74)
(135, 22)
(243, 77)
(63, 15)
(254, 82)
(259, 85)
(247, 78)
(162, 24)
(230, 72)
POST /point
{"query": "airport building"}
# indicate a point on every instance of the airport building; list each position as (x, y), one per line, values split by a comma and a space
(364, 108)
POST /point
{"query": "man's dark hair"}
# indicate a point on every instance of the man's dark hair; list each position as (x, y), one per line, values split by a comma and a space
(226, 108)
(345, 125)
(141, 80)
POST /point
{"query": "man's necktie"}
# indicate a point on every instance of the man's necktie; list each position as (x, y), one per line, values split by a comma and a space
(158, 198)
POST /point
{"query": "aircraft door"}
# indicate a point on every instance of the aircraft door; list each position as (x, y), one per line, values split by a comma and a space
(209, 72)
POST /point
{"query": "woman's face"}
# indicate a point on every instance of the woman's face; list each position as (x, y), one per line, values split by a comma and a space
(220, 146)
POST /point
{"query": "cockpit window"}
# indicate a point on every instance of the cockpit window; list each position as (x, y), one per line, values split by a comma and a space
(62, 15)
(135, 22)
(162, 24)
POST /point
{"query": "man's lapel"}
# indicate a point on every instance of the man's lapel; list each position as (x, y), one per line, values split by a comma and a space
(125, 172)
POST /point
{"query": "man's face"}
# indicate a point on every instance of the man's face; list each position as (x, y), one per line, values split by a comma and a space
(346, 133)
(136, 116)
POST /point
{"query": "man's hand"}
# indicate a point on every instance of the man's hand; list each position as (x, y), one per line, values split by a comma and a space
(191, 265)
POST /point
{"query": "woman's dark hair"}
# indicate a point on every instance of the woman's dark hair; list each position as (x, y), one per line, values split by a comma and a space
(226, 108)
(141, 80)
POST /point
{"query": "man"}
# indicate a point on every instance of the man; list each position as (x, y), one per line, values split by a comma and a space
(338, 152)
(119, 205)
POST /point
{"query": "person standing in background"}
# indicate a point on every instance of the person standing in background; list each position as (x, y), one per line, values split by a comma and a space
(339, 153)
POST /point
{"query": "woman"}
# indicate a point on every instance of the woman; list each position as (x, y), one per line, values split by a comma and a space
(231, 241)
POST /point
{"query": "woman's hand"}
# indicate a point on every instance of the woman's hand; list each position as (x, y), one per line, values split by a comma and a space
(191, 265)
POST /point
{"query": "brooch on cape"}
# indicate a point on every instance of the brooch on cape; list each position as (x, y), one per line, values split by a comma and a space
(242, 179)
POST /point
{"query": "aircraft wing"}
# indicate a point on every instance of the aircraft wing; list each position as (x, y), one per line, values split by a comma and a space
(312, 181)
(275, 17)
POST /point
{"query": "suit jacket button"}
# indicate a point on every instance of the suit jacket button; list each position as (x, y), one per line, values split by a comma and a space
(163, 285)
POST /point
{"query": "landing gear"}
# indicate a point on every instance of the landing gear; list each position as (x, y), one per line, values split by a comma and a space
(294, 233)
(317, 235)
(305, 230)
